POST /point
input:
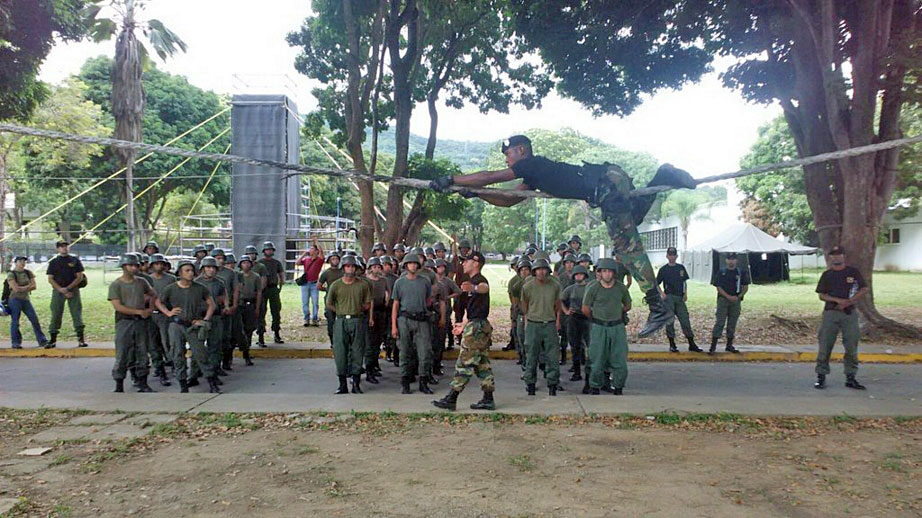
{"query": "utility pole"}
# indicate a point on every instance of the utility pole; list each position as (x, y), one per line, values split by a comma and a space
(129, 197)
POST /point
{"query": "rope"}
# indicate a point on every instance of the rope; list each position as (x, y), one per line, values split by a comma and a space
(111, 176)
(200, 194)
(414, 183)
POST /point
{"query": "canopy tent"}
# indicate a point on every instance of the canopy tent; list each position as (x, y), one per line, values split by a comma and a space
(764, 256)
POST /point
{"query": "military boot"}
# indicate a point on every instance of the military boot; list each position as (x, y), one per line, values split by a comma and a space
(693, 347)
(183, 386)
(530, 389)
(343, 387)
(370, 376)
(405, 385)
(437, 369)
(618, 391)
(81, 341)
(672, 347)
(449, 402)
(485, 403)
(552, 390)
(143, 386)
(356, 384)
(594, 392)
(193, 382)
(713, 348)
(820, 381)
(576, 371)
(164, 379)
(119, 386)
(213, 385)
(229, 360)
(246, 358)
(52, 342)
(261, 340)
(730, 348)
(278, 338)
(660, 315)
(563, 356)
(852, 383)
(424, 385)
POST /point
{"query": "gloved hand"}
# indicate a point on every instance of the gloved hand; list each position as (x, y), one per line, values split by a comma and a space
(467, 194)
(441, 184)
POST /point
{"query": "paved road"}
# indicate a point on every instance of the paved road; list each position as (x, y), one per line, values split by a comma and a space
(305, 385)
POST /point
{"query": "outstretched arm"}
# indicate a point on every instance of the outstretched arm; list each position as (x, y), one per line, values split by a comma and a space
(484, 178)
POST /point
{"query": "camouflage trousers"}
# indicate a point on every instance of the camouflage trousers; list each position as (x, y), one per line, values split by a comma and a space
(474, 358)
(614, 191)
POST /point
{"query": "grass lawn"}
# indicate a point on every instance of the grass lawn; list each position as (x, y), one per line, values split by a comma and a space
(897, 294)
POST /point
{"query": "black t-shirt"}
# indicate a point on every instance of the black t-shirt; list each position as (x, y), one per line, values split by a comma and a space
(673, 278)
(478, 304)
(841, 284)
(555, 178)
(731, 281)
(64, 269)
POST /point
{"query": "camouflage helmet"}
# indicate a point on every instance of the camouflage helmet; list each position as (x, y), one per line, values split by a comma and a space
(184, 262)
(158, 258)
(152, 244)
(524, 263)
(575, 239)
(198, 248)
(209, 247)
(250, 249)
(441, 262)
(606, 263)
(429, 263)
(399, 246)
(580, 269)
(464, 243)
(374, 261)
(218, 251)
(561, 247)
(439, 247)
(268, 245)
(412, 258)
(540, 263)
(349, 252)
(584, 257)
(348, 260)
(569, 258)
(379, 246)
(128, 260)
(230, 259)
(208, 261)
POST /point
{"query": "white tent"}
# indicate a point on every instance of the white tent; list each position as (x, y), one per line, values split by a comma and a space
(764, 256)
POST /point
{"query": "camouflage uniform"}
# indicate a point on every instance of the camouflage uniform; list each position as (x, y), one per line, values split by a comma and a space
(474, 358)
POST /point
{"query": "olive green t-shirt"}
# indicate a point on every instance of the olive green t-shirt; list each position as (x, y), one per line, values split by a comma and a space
(514, 288)
(130, 294)
(327, 278)
(230, 282)
(249, 285)
(572, 296)
(216, 287)
(540, 299)
(274, 269)
(192, 300)
(349, 299)
(165, 280)
(606, 303)
(412, 293)
(22, 278)
(565, 279)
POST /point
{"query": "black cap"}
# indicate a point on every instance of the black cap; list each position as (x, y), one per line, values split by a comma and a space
(671, 251)
(61, 243)
(731, 255)
(837, 250)
(477, 256)
(516, 140)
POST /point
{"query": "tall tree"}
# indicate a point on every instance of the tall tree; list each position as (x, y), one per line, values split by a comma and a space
(131, 57)
(839, 70)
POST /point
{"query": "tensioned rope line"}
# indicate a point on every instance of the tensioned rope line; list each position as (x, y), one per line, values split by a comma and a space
(111, 176)
(413, 183)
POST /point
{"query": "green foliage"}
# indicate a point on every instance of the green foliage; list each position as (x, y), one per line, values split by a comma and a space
(469, 156)
(28, 29)
(159, 39)
(441, 207)
(908, 191)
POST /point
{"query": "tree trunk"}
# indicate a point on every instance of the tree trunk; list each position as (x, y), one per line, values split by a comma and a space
(433, 124)
(3, 191)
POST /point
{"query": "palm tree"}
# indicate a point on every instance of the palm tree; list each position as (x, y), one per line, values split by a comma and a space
(683, 204)
(131, 57)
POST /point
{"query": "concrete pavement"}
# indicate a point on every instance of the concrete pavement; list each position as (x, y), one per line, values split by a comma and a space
(751, 388)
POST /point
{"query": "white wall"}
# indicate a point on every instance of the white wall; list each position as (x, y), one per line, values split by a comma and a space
(907, 254)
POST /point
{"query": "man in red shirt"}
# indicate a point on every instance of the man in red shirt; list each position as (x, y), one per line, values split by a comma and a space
(312, 262)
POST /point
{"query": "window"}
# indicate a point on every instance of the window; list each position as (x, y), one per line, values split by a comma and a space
(660, 239)
(892, 236)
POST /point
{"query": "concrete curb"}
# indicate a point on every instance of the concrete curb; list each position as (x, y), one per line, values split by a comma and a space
(651, 356)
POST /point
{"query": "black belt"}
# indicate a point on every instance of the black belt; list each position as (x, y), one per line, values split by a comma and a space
(606, 323)
(422, 316)
(540, 321)
(350, 317)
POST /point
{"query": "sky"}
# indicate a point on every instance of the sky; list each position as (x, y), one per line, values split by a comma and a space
(238, 46)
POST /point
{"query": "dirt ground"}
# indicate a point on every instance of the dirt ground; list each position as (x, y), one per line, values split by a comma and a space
(471, 466)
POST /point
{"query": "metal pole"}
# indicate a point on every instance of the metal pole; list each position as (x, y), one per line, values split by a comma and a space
(536, 223)
(129, 196)
(336, 233)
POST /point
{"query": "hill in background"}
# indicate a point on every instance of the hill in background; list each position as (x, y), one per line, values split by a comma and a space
(468, 155)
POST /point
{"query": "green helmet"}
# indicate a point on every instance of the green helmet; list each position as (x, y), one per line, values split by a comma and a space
(464, 243)
(418, 250)
(208, 261)
(250, 249)
(575, 239)
(441, 262)
(584, 257)
(569, 258)
(429, 250)
(152, 244)
(429, 263)
(374, 261)
(561, 247)
(184, 262)
(530, 251)
(128, 260)
(412, 258)
(158, 258)
(399, 246)
(524, 263)
(349, 260)
(541, 254)
(378, 246)
(209, 246)
(144, 258)
(332, 255)
(580, 269)
(198, 248)
(245, 259)
(439, 247)
(230, 259)
(386, 259)
(268, 245)
(218, 251)
(540, 263)
(606, 263)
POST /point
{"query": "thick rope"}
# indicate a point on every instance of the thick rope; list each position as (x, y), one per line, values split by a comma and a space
(414, 183)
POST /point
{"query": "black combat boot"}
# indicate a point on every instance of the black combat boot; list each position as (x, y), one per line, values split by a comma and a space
(511, 345)
(183, 386)
(618, 391)
(449, 402)
(81, 342)
(142, 385)
(530, 389)
(730, 348)
(437, 369)
(52, 342)
(594, 392)
(219, 371)
(820, 381)
(713, 348)
(343, 387)
(852, 383)
(164, 379)
(134, 377)
(357, 384)
(396, 357)
(424, 385)
(552, 390)
(229, 360)
(405, 385)
(119, 386)
(370, 376)
(693, 347)
(213, 385)
(246, 358)
(576, 371)
(672, 347)
(660, 315)
(665, 175)
(193, 382)
(278, 338)
(432, 380)
(485, 403)
(261, 340)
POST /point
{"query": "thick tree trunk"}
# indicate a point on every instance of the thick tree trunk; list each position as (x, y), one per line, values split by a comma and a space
(433, 124)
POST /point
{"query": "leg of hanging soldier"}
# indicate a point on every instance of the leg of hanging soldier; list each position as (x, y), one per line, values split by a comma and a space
(614, 191)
